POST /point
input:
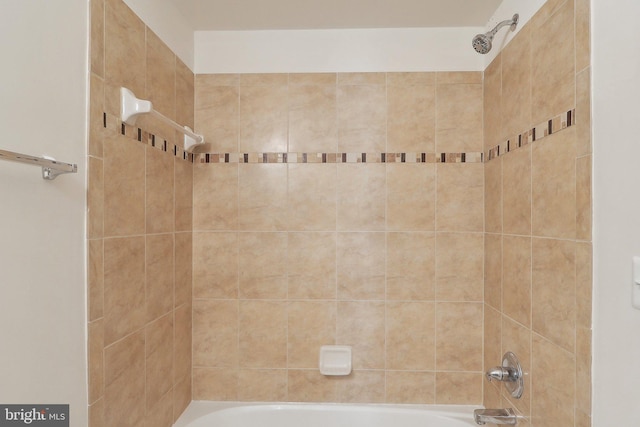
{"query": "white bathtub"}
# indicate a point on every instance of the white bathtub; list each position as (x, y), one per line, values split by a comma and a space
(226, 414)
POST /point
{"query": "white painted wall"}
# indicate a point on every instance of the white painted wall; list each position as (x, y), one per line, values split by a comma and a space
(389, 49)
(164, 19)
(364, 50)
(43, 90)
(327, 50)
(616, 136)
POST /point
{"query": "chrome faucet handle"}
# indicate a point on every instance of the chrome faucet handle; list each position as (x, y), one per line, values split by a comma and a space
(501, 373)
(510, 373)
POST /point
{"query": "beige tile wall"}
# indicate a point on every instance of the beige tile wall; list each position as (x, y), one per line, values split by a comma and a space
(538, 218)
(139, 230)
(289, 257)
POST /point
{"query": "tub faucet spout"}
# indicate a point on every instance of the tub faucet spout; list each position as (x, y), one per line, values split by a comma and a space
(495, 416)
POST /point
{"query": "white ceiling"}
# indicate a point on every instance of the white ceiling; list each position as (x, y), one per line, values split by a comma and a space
(212, 15)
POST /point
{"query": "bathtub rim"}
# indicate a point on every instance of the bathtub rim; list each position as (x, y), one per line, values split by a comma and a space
(201, 408)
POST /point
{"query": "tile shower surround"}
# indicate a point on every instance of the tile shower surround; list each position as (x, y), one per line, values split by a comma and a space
(309, 229)
(395, 318)
(538, 284)
(137, 134)
(139, 229)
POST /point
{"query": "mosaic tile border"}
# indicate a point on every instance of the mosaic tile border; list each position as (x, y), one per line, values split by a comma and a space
(340, 158)
(114, 124)
(544, 129)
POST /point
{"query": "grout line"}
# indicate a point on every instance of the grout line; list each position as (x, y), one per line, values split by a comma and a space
(385, 353)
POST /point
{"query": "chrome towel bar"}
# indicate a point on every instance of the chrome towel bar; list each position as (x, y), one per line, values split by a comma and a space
(51, 168)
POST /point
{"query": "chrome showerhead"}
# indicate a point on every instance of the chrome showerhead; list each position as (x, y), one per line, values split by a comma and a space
(482, 42)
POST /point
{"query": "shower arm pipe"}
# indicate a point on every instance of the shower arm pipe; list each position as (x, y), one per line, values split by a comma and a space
(131, 107)
(504, 23)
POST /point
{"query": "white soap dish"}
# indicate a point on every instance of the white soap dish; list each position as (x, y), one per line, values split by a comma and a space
(335, 359)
